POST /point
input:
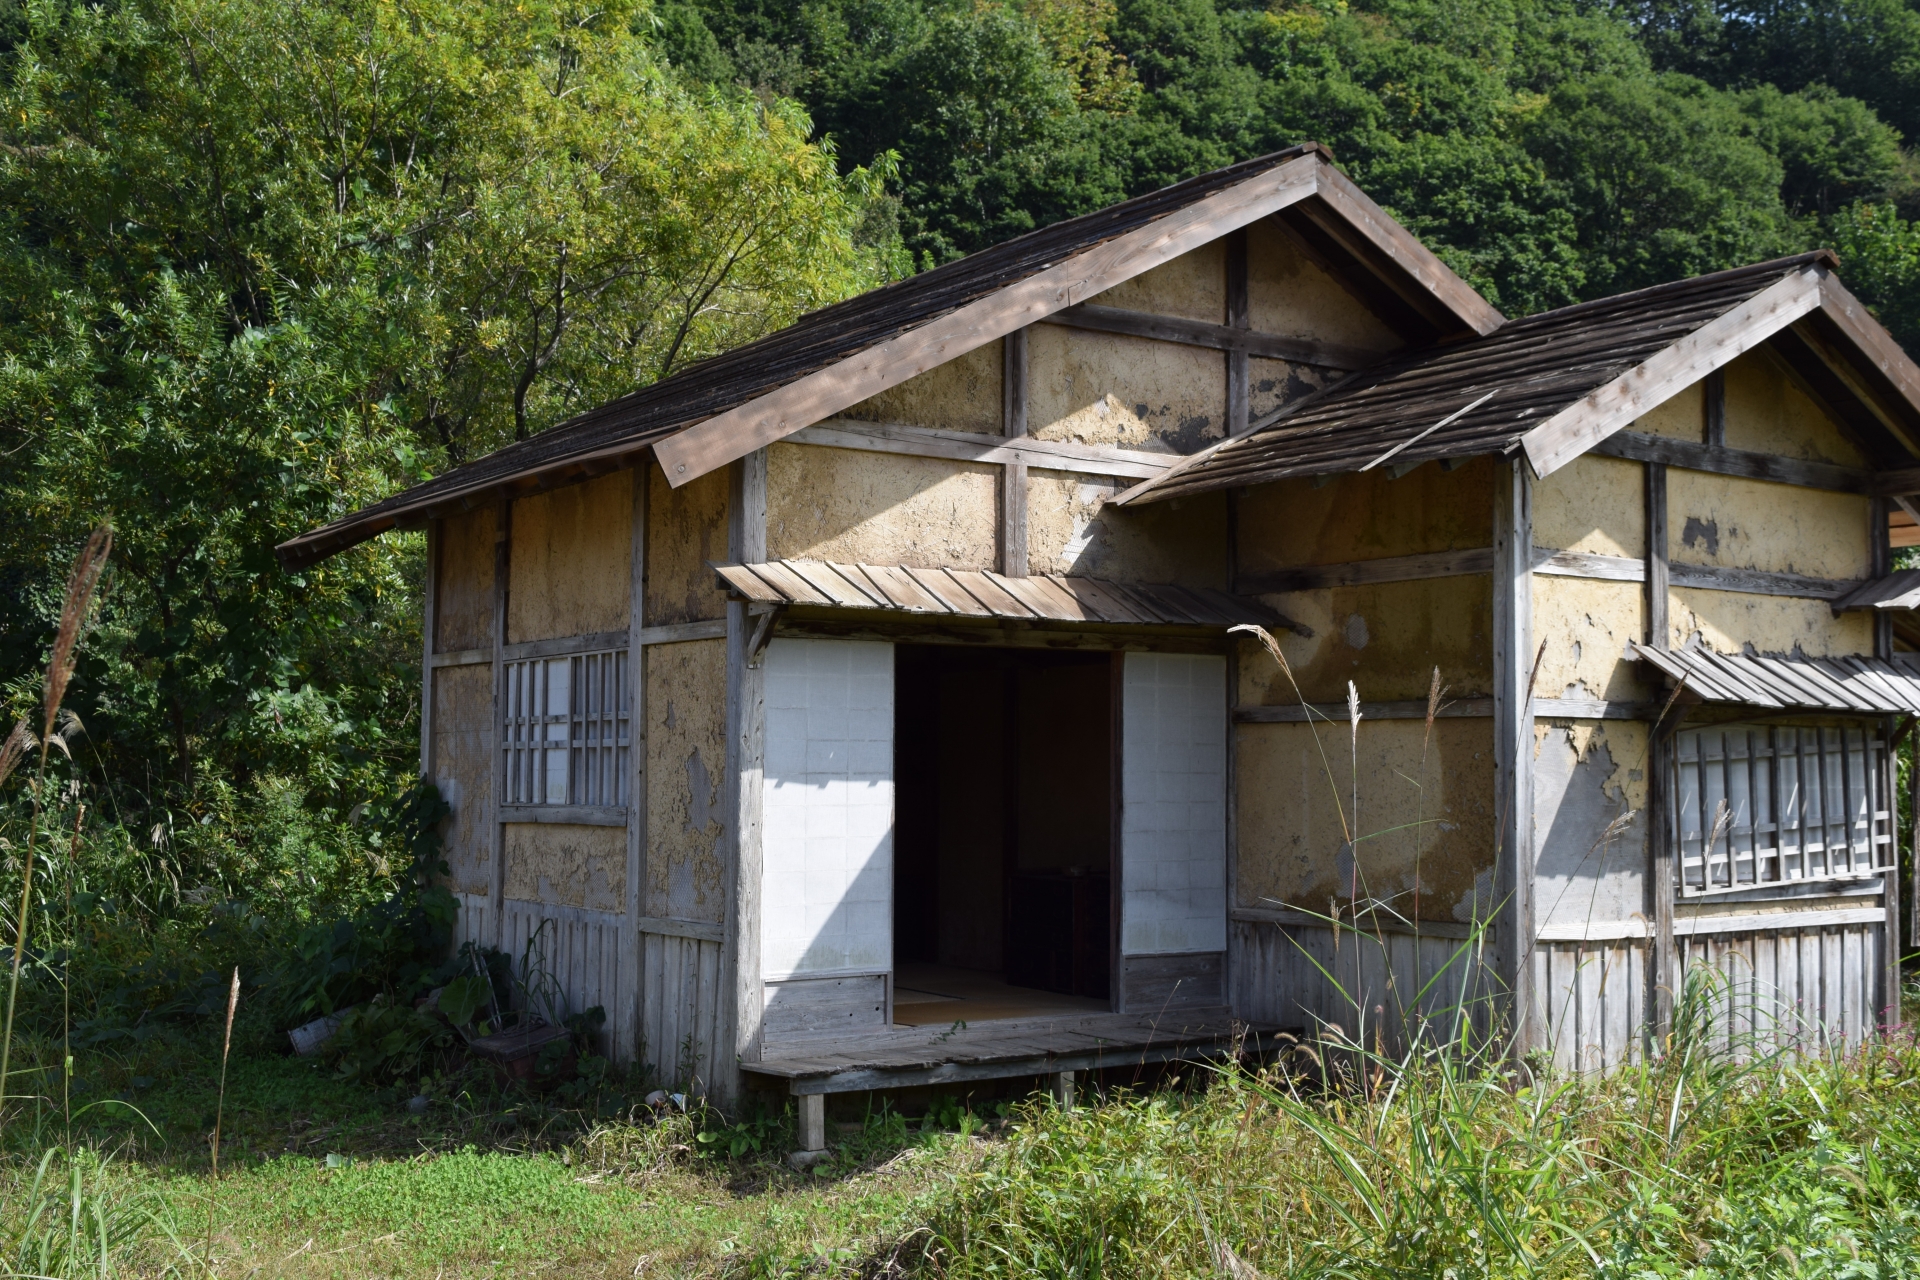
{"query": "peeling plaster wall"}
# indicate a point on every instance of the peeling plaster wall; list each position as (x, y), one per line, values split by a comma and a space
(1288, 524)
(1588, 776)
(463, 614)
(1593, 504)
(1070, 530)
(566, 866)
(1768, 412)
(1102, 388)
(1292, 846)
(1385, 637)
(1290, 295)
(686, 527)
(1585, 625)
(961, 395)
(1736, 523)
(880, 508)
(1726, 623)
(686, 768)
(1272, 383)
(463, 764)
(570, 569)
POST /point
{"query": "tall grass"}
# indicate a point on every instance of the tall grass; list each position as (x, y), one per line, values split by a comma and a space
(1693, 1164)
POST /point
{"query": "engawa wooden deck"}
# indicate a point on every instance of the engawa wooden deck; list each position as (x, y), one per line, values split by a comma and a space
(902, 1057)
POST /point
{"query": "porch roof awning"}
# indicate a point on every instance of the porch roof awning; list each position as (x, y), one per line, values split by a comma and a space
(1846, 683)
(1897, 590)
(981, 594)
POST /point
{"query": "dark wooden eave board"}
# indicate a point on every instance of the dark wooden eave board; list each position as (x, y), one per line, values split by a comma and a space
(1811, 368)
(1359, 271)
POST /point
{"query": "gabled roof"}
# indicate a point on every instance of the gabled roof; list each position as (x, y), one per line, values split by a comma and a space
(1558, 383)
(727, 406)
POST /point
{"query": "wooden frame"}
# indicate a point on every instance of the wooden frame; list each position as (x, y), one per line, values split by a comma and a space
(502, 567)
(973, 446)
(741, 997)
(430, 589)
(1513, 746)
(1013, 472)
(1235, 339)
(633, 939)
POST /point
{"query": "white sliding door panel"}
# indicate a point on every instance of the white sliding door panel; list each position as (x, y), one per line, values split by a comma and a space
(1173, 820)
(827, 896)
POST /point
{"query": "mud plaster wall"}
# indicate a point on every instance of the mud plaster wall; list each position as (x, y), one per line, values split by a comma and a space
(1272, 383)
(1683, 416)
(1594, 504)
(1769, 413)
(1289, 295)
(880, 508)
(961, 395)
(1726, 622)
(570, 570)
(463, 770)
(686, 766)
(686, 527)
(1102, 388)
(1192, 286)
(1589, 775)
(1385, 637)
(1585, 624)
(1290, 523)
(1292, 846)
(1071, 530)
(566, 866)
(1736, 523)
(463, 613)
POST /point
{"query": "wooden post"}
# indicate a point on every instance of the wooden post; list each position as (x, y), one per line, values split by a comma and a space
(1513, 739)
(813, 1121)
(1237, 318)
(502, 566)
(634, 955)
(1881, 560)
(1890, 882)
(1013, 475)
(430, 588)
(1715, 387)
(1660, 887)
(1060, 1085)
(740, 997)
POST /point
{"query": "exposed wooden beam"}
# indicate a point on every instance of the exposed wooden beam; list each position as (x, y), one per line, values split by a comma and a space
(1636, 446)
(1851, 317)
(633, 1006)
(1715, 393)
(1013, 471)
(1234, 340)
(1239, 322)
(970, 446)
(806, 400)
(1605, 410)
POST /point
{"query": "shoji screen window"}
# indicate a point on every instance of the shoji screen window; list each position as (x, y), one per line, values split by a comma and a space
(566, 733)
(1762, 805)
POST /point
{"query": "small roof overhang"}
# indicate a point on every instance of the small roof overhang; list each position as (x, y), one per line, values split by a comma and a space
(984, 596)
(1850, 683)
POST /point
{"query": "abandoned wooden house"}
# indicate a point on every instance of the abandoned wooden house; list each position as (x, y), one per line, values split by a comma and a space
(860, 708)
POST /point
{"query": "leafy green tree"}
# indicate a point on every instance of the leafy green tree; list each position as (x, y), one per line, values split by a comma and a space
(262, 262)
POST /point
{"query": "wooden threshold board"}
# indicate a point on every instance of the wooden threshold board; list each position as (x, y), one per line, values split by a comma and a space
(903, 1057)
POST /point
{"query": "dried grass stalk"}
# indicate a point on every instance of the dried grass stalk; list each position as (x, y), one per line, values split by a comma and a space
(14, 749)
(81, 581)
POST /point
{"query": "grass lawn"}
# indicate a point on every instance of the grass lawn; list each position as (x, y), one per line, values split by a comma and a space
(1692, 1167)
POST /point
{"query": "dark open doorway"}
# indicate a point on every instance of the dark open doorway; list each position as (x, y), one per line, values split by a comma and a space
(1003, 832)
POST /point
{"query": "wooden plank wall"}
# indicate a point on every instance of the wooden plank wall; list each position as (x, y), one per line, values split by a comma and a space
(1808, 988)
(1295, 977)
(680, 1014)
(1592, 1002)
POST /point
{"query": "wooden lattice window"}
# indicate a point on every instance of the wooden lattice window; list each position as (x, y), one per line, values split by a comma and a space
(565, 736)
(1760, 805)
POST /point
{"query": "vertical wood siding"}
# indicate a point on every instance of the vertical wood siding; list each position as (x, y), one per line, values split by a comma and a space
(1593, 1002)
(1292, 976)
(680, 1010)
(580, 949)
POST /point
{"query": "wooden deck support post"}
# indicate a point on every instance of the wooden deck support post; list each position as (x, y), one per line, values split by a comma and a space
(1060, 1085)
(813, 1121)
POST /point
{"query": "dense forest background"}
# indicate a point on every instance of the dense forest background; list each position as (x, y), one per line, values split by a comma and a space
(262, 261)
